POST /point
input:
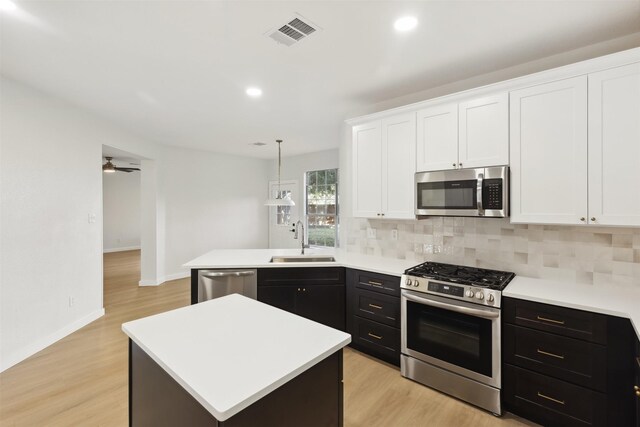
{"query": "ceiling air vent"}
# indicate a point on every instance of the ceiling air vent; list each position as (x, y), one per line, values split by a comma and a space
(293, 31)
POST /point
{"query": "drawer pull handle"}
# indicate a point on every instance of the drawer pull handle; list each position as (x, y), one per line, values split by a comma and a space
(551, 398)
(544, 319)
(378, 337)
(638, 361)
(371, 282)
(546, 353)
(375, 306)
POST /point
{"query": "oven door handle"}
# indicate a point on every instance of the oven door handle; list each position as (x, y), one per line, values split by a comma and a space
(452, 307)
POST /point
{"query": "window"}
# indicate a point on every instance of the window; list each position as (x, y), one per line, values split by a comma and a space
(321, 208)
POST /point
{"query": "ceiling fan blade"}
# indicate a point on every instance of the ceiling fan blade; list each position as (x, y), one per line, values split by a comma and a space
(127, 169)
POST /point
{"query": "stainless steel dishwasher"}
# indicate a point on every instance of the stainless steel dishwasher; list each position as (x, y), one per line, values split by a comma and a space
(218, 283)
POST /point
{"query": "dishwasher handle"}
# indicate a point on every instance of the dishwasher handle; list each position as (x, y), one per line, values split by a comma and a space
(216, 274)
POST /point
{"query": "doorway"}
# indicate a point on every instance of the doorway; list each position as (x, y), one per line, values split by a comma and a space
(282, 219)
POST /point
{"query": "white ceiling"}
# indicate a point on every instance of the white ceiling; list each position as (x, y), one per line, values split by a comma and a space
(175, 71)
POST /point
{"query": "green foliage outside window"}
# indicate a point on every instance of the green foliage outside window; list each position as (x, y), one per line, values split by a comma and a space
(322, 207)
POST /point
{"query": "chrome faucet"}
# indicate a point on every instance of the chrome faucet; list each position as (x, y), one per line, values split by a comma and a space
(299, 225)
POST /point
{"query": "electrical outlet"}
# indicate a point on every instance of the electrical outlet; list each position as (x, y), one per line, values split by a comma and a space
(92, 218)
(394, 234)
(371, 233)
(71, 301)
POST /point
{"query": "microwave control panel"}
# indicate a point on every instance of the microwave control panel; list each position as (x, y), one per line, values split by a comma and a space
(492, 194)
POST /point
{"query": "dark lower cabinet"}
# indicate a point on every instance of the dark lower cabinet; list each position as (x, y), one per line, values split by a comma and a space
(316, 293)
(636, 386)
(373, 314)
(566, 367)
(313, 398)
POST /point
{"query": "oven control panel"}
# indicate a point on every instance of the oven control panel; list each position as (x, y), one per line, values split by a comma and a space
(441, 288)
(467, 293)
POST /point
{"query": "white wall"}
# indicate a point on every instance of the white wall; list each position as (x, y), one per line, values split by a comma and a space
(121, 211)
(211, 201)
(192, 202)
(50, 251)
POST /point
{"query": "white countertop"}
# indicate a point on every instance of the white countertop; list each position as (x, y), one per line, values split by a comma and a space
(259, 258)
(614, 300)
(230, 352)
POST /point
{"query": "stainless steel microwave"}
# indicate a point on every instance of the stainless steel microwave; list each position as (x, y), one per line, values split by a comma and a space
(482, 192)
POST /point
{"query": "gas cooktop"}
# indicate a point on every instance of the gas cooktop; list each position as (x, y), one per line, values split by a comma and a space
(471, 276)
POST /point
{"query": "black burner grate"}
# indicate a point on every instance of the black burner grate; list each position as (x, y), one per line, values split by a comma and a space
(480, 277)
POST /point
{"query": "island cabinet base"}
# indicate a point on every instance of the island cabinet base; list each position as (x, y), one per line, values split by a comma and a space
(313, 398)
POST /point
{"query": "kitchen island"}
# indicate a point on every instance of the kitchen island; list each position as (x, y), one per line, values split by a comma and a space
(234, 361)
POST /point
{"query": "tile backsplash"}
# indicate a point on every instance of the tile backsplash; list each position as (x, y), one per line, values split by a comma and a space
(591, 255)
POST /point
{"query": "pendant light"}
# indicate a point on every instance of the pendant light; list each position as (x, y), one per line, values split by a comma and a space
(279, 200)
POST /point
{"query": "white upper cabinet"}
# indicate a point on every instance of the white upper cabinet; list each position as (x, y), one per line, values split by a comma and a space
(548, 146)
(614, 146)
(437, 145)
(470, 134)
(484, 132)
(367, 170)
(384, 168)
(398, 166)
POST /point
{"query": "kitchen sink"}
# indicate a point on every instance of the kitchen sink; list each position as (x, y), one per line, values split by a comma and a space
(303, 258)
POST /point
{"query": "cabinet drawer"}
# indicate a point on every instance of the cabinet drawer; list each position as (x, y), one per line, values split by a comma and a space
(301, 276)
(550, 401)
(559, 320)
(377, 282)
(377, 339)
(375, 306)
(569, 359)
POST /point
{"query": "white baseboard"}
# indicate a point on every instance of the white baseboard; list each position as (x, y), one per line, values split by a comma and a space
(164, 279)
(35, 347)
(126, 248)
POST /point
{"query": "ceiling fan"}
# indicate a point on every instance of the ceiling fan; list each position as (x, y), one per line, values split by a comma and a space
(110, 167)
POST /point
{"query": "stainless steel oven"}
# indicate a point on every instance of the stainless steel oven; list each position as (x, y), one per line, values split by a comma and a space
(464, 192)
(451, 331)
(457, 336)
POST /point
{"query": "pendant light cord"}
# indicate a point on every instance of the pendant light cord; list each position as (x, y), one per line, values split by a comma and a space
(279, 141)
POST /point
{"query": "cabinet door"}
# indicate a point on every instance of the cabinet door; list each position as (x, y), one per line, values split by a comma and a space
(614, 146)
(323, 304)
(548, 153)
(484, 132)
(282, 297)
(398, 166)
(437, 144)
(367, 170)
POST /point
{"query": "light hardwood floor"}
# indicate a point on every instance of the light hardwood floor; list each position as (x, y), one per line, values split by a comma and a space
(82, 379)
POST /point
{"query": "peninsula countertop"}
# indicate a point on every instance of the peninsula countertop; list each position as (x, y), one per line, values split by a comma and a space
(615, 300)
(231, 351)
(259, 258)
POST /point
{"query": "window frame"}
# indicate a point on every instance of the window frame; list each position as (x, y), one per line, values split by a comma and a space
(335, 215)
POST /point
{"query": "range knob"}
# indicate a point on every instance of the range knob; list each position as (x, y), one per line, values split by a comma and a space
(416, 283)
(480, 295)
(490, 298)
(408, 282)
(469, 293)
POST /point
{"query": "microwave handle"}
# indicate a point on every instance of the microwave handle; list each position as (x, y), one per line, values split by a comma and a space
(479, 185)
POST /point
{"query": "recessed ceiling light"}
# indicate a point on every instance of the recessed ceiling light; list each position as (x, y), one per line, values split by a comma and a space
(7, 5)
(406, 23)
(254, 92)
